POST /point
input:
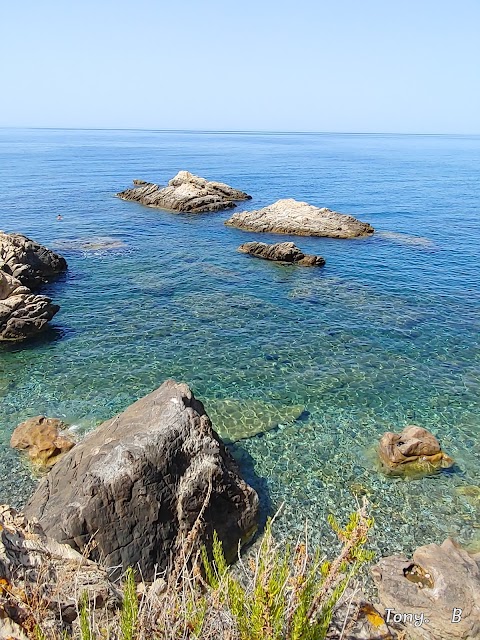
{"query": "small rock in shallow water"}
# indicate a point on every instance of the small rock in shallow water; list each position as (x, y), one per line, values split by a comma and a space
(42, 440)
(286, 252)
(415, 450)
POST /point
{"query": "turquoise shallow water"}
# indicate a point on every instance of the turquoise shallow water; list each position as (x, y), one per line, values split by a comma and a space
(310, 365)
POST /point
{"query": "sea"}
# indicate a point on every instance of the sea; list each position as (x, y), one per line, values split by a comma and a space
(300, 369)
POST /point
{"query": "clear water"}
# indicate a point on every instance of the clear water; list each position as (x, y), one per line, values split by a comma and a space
(308, 366)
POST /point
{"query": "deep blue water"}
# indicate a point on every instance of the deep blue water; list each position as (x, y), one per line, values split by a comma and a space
(317, 363)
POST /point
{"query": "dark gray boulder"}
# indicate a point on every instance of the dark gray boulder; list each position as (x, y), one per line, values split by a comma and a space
(286, 252)
(29, 261)
(138, 483)
(22, 313)
(185, 193)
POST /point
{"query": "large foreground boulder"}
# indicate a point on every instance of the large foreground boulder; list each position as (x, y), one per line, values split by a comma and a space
(413, 451)
(27, 261)
(435, 596)
(137, 485)
(43, 581)
(300, 218)
(22, 313)
(284, 252)
(185, 193)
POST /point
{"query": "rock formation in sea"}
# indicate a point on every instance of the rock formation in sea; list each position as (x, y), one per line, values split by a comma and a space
(37, 570)
(286, 252)
(185, 193)
(43, 439)
(439, 588)
(22, 313)
(415, 450)
(28, 261)
(300, 218)
(138, 483)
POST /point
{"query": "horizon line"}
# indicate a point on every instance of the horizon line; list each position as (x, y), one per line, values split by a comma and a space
(238, 131)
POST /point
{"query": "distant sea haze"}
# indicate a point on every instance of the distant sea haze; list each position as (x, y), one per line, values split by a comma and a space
(303, 368)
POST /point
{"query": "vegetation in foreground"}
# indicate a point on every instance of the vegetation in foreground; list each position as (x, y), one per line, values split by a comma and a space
(280, 592)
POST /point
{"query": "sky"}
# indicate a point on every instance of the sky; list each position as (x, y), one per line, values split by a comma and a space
(406, 66)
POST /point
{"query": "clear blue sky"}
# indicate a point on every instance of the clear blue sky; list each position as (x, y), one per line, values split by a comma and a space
(299, 65)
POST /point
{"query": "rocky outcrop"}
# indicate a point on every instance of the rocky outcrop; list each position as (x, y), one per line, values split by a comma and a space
(185, 193)
(434, 595)
(138, 483)
(301, 219)
(414, 450)
(38, 575)
(27, 261)
(286, 252)
(22, 313)
(42, 439)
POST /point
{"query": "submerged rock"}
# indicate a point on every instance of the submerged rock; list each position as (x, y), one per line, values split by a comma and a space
(185, 193)
(42, 439)
(281, 252)
(138, 483)
(22, 313)
(440, 587)
(300, 218)
(414, 450)
(27, 261)
(36, 570)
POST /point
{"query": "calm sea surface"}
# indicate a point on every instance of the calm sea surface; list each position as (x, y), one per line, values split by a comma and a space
(303, 368)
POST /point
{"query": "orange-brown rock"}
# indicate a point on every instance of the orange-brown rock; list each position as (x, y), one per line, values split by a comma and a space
(414, 449)
(42, 440)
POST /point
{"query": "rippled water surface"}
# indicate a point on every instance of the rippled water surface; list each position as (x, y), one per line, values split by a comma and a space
(303, 369)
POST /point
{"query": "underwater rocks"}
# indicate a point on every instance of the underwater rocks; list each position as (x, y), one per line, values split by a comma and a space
(281, 252)
(300, 218)
(42, 439)
(138, 483)
(185, 193)
(22, 313)
(439, 589)
(414, 450)
(28, 261)
(36, 569)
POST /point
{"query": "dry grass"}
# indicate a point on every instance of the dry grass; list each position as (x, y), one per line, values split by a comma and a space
(281, 592)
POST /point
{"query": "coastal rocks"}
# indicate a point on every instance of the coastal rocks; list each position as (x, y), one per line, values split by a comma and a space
(27, 261)
(40, 576)
(22, 313)
(414, 450)
(185, 193)
(138, 483)
(286, 252)
(300, 218)
(440, 587)
(42, 440)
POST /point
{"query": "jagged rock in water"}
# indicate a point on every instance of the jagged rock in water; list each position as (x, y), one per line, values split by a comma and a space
(286, 252)
(300, 218)
(138, 483)
(22, 313)
(185, 193)
(36, 568)
(42, 439)
(440, 586)
(415, 450)
(28, 261)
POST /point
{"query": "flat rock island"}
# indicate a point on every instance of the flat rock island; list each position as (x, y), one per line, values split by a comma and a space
(283, 252)
(301, 219)
(185, 193)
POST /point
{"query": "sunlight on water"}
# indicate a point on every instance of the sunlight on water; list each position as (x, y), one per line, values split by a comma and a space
(303, 368)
